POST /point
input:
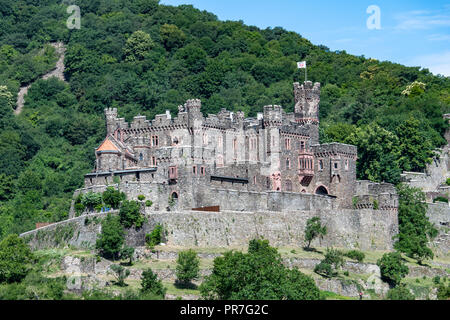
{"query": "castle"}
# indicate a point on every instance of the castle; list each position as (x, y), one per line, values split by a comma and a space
(270, 163)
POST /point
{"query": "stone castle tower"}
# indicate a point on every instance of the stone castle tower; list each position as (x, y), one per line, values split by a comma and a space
(307, 100)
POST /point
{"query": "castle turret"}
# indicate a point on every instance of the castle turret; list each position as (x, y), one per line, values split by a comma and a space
(111, 120)
(307, 100)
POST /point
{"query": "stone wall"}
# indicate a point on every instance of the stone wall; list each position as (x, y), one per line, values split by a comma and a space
(363, 229)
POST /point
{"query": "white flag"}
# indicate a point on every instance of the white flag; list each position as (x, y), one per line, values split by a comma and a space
(301, 65)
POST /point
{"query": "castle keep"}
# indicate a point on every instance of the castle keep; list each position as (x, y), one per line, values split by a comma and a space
(270, 163)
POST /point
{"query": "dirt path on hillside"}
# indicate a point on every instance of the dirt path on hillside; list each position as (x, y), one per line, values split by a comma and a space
(58, 72)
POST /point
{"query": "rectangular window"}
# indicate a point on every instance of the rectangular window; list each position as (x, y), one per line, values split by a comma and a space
(173, 173)
(203, 171)
(347, 165)
(153, 162)
(302, 145)
(194, 170)
(287, 144)
(155, 141)
(320, 165)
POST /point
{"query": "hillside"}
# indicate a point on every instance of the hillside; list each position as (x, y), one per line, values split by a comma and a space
(145, 58)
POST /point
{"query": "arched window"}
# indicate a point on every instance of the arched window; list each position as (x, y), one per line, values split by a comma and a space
(288, 164)
(220, 163)
(322, 191)
(141, 157)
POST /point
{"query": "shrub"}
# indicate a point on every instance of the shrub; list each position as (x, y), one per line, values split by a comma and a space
(443, 292)
(447, 182)
(120, 273)
(392, 268)
(15, 257)
(155, 237)
(141, 197)
(148, 203)
(440, 199)
(257, 275)
(356, 255)
(188, 266)
(151, 284)
(324, 269)
(400, 293)
(91, 200)
(113, 197)
(437, 280)
(130, 214)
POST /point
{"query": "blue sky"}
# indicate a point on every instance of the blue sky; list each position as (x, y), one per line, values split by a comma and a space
(413, 33)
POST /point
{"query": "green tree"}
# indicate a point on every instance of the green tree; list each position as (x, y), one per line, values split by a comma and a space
(130, 214)
(172, 36)
(113, 197)
(415, 229)
(313, 230)
(188, 266)
(355, 255)
(92, 200)
(256, 275)
(127, 253)
(112, 237)
(378, 154)
(15, 259)
(138, 46)
(392, 268)
(151, 284)
(155, 237)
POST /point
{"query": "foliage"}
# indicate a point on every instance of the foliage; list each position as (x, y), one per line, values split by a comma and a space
(130, 214)
(113, 198)
(91, 200)
(447, 182)
(188, 266)
(141, 197)
(127, 253)
(330, 265)
(415, 230)
(112, 237)
(355, 255)
(148, 203)
(15, 259)
(121, 273)
(443, 292)
(392, 268)
(313, 230)
(257, 275)
(440, 199)
(151, 284)
(400, 292)
(155, 237)
(137, 46)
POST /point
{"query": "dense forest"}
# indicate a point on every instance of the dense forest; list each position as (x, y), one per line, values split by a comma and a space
(145, 58)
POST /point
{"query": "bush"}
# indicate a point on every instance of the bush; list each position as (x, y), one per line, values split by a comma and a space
(127, 253)
(151, 284)
(324, 269)
(141, 197)
(92, 200)
(440, 199)
(437, 280)
(188, 266)
(447, 182)
(356, 255)
(392, 268)
(148, 203)
(15, 259)
(113, 198)
(130, 214)
(400, 293)
(111, 238)
(257, 275)
(443, 292)
(155, 237)
(120, 273)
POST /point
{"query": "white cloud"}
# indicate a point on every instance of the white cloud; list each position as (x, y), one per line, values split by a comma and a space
(436, 63)
(422, 20)
(439, 37)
